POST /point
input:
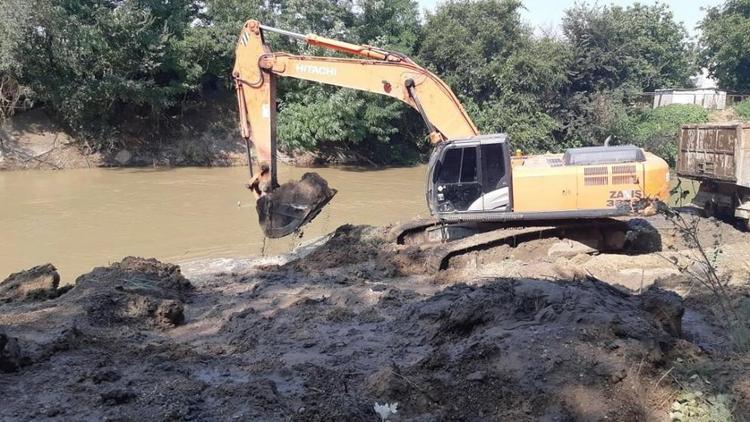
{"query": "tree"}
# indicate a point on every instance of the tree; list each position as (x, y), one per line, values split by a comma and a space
(315, 117)
(508, 80)
(657, 129)
(93, 61)
(640, 48)
(618, 53)
(14, 15)
(725, 43)
(464, 40)
(393, 24)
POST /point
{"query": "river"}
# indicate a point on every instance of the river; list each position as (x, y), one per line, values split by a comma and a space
(79, 219)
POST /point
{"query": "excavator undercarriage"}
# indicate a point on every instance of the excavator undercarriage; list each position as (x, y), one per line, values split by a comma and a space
(436, 243)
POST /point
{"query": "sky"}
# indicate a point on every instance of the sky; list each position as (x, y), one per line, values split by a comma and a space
(547, 14)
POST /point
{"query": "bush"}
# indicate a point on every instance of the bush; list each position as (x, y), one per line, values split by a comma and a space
(656, 130)
(96, 63)
(743, 110)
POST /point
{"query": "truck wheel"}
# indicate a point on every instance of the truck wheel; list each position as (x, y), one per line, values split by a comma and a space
(709, 209)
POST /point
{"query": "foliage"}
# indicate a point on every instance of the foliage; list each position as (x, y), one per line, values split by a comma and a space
(390, 24)
(725, 44)
(657, 129)
(14, 15)
(134, 67)
(743, 110)
(639, 47)
(465, 41)
(618, 53)
(508, 80)
(320, 116)
(94, 60)
(315, 116)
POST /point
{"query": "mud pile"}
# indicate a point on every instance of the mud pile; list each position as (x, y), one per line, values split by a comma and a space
(38, 283)
(327, 336)
(292, 205)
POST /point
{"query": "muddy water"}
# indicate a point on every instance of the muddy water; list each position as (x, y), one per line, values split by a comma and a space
(78, 219)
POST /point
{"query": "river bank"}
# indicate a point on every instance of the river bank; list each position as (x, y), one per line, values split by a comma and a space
(330, 332)
(33, 141)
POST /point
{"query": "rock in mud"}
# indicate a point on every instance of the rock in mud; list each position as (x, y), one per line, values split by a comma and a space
(667, 308)
(39, 282)
(117, 396)
(642, 236)
(11, 356)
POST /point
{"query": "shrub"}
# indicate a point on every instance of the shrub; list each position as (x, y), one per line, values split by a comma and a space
(656, 130)
(743, 110)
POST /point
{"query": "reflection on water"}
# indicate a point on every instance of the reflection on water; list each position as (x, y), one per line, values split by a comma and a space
(78, 219)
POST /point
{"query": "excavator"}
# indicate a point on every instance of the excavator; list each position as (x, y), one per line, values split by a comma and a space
(475, 184)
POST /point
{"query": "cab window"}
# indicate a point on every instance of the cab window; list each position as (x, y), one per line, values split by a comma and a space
(459, 165)
(493, 166)
(469, 165)
(450, 167)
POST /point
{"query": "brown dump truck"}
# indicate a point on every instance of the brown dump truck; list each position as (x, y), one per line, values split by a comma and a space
(718, 155)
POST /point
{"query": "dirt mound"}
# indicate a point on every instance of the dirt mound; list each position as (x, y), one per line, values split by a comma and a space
(134, 292)
(506, 350)
(348, 245)
(332, 334)
(38, 283)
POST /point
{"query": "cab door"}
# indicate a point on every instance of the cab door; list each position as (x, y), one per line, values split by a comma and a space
(456, 180)
(495, 171)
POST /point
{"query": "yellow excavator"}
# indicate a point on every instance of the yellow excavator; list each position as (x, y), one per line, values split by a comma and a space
(473, 179)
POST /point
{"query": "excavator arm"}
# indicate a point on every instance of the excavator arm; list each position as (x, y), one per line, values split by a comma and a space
(377, 71)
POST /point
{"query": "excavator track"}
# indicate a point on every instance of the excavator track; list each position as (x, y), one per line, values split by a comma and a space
(437, 242)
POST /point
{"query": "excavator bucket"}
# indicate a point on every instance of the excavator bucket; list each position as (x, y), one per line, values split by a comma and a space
(292, 205)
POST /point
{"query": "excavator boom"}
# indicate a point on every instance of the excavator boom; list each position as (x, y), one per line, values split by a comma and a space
(283, 209)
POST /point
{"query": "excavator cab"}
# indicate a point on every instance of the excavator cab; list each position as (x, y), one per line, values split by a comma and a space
(470, 176)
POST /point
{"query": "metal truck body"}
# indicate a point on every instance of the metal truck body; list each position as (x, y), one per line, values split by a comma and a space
(718, 155)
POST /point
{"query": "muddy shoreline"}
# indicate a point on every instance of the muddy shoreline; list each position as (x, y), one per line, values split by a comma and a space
(330, 331)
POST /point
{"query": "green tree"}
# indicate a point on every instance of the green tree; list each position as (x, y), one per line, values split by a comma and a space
(393, 24)
(618, 53)
(463, 42)
(14, 16)
(725, 43)
(508, 80)
(95, 61)
(315, 117)
(639, 47)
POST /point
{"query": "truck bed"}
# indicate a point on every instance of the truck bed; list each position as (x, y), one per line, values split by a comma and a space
(719, 152)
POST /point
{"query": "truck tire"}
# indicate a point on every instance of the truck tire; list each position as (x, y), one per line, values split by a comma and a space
(709, 209)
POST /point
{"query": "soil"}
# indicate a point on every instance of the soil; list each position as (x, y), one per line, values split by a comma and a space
(346, 324)
(293, 204)
(209, 138)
